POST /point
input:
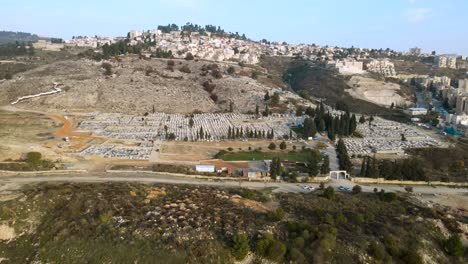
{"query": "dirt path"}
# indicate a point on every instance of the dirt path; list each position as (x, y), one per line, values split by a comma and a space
(65, 131)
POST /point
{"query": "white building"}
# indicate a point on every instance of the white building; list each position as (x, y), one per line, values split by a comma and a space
(135, 33)
(383, 67)
(347, 66)
(205, 168)
(416, 111)
(446, 61)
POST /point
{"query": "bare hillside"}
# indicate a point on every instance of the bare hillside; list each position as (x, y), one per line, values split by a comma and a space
(136, 86)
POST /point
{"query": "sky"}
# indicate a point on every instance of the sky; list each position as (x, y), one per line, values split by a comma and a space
(439, 25)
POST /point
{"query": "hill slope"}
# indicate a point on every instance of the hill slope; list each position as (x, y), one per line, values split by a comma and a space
(10, 36)
(136, 86)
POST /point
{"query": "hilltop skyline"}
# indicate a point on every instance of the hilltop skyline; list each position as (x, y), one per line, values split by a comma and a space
(399, 25)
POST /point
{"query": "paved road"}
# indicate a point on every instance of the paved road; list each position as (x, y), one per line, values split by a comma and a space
(7, 182)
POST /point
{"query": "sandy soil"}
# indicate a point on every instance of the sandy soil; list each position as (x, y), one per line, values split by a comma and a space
(7, 232)
(374, 91)
(195, 151)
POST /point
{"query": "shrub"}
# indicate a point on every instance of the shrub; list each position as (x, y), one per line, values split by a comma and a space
(254, 75)
(220, 154)
(34, 158)
(341, 219)
(391, 244)
(272, 146)
(411, 257)
(170, 63)
(454, 246)
(409, 189)
(329, 192)
(299, 242)
(276, 251)
(282, 145)
(216, 74)
(357, 189)
(277, 215)
(8, 76)
(377, 251)
(107, 68)
(240, 246)
(389, 197)
(148, 71)
(296, 256)
(214, 97)
(230, 149)
(189, 56)
(185, 69)
(208, 86)
(231, 70)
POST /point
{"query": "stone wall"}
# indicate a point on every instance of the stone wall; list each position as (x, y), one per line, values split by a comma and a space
(397, 182)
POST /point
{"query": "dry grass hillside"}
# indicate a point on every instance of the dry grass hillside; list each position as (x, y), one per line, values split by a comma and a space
(136, 86)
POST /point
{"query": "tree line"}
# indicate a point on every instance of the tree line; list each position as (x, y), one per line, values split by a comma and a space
(407, 169)
(17, 49)
(202, 30)
(343, 157)
(236, 133)
(319, 121)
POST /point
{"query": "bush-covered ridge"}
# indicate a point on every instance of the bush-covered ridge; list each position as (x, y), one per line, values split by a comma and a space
(126, 223)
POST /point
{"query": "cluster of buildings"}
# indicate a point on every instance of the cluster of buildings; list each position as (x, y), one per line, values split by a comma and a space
(252, 169)
(351, 66)
(383, 67)
(445, 61)
(449, 96)
(346, 66)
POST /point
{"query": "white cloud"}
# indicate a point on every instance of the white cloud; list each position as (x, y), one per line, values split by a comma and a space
(416, 15)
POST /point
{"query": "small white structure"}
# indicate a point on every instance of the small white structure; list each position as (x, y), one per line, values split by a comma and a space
(416, 111)
(205, 168)
(337, 174)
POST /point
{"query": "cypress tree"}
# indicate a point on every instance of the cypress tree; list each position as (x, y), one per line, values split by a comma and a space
(202, 135)
(363, 167)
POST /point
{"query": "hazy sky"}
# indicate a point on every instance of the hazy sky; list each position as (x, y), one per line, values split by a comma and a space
(439, 25)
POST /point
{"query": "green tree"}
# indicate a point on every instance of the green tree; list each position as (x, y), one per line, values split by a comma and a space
(201, 133)
(313, 161)
(107, 68)
(282, 145)
(275, 167)
(362, 119)
(325, 167)
(189, 56)
(357, 189)
(329, 192)
(34, 158)
(275, 99)
(240, 246)
(191, 122)
(231, 70)
(272, 146)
